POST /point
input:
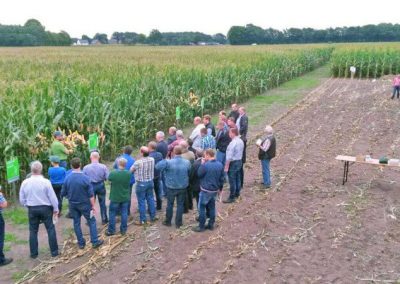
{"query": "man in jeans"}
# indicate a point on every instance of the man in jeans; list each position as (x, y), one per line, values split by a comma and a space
(37, 194)
(233, 164)
(267, 146)
(3, 204)
(211, 174)
(98, 174)
(119, 196)
(79, 191)
(158, 157)
(177, 181)
(144, 175)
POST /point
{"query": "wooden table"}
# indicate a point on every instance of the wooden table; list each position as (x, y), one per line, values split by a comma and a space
(349, 160)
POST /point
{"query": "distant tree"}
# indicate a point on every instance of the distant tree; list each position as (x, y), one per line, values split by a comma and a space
(238, 35)
(101, 38)
(220, 38)
(155, 37)
(85, 37)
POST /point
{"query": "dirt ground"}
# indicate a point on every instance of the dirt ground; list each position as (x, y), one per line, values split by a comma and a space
(307, 229)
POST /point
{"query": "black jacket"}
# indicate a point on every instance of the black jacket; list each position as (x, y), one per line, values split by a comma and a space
(234, 114)
(222, 140)
(244, 125)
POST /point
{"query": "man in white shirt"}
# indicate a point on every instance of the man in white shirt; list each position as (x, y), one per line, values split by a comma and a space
(196, 135)
(38, 195)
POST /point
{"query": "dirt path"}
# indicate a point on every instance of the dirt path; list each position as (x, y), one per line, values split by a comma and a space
(308, 229)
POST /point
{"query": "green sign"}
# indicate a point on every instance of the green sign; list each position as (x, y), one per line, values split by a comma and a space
(202, 103)
(93, 142)
(178, 113)
(12, 170)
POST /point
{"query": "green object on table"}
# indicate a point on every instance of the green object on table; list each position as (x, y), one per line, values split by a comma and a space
(383, 160)
(93, 142)
(12, 170)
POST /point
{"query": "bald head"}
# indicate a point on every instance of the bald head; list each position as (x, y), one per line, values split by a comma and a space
(269, 130)
(94, 156)
(197, 120)
(184, 144)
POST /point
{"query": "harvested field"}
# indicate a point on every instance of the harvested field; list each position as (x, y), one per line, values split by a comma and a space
(308, 228)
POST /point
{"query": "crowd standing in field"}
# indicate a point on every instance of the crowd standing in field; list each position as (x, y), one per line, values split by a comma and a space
(173, 168)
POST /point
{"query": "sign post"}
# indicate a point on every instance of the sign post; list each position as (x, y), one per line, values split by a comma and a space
(202, 106)
(177, 115)
(93, 142)
(12, 169)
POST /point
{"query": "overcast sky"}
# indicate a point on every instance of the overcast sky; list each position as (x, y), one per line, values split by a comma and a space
(79, 17)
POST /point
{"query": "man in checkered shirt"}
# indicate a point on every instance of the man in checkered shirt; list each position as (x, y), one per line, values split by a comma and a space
(144, 174)
(3, 204)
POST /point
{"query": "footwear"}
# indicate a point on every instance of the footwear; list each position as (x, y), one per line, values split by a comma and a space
(198, 229)
(104, 222)
(34, 256)
(140, 223)
(165, 223)
(178, 226)
(98, 244)
(267, 186)
(54, 254)
(108, 234)
(154, 220)
(82, 246)
(211, 228)
(123, 233)
(229, 200)
(6, 261)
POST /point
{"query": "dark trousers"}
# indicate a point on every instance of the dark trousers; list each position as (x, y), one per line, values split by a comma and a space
(57, 190)
(2, 233)
(396, 89)
(37, 215)
(179, 195)
(188, 204)
(100, 192)
(157, 192)
(234, 178)
(77, 211)
(243, 162)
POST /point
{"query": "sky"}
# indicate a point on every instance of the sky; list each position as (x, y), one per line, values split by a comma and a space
(78, 17)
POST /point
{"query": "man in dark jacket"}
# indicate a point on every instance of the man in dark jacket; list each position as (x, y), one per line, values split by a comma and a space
(161, 146)
(208, 125)
(242, 124)
(211, 174)
(157, 156)
(235, 112)
(222, 141)
(194, 181)
(267, 146)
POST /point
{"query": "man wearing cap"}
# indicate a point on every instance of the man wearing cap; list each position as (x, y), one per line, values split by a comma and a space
(98, 174)
(57, 148)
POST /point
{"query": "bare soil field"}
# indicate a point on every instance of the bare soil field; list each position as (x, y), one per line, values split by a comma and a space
(307, 229)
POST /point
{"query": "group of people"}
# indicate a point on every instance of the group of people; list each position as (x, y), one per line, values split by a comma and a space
(172, 167)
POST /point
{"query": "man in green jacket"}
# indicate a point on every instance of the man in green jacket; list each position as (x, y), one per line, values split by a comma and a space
(120, 195)
(57, 148)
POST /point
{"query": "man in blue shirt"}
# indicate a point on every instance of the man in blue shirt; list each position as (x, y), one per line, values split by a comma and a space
(98, 174)
(57, 177)
(79, 191)
(3, 204)
(129, 163)
(211, 174)
(177, 181)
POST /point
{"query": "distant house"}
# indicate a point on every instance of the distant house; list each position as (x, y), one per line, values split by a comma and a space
(113, 41)
(82, 42)
(95, 42)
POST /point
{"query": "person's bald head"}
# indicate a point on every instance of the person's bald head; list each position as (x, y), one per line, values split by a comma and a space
(94, 156)
(197, 120)
(184, 144)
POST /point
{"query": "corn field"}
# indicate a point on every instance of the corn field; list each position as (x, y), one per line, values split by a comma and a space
(370, 60)
(127, 93)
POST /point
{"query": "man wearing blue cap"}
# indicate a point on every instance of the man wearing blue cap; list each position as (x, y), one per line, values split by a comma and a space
(57, 148)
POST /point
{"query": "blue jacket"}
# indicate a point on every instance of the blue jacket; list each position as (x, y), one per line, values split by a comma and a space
(211, 175)
(176, 172)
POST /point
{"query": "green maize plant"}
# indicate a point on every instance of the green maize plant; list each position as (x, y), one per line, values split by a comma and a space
(127, 93)
(371, 60)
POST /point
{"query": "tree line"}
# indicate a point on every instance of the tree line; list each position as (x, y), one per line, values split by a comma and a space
(251, 34)
(32, 33)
